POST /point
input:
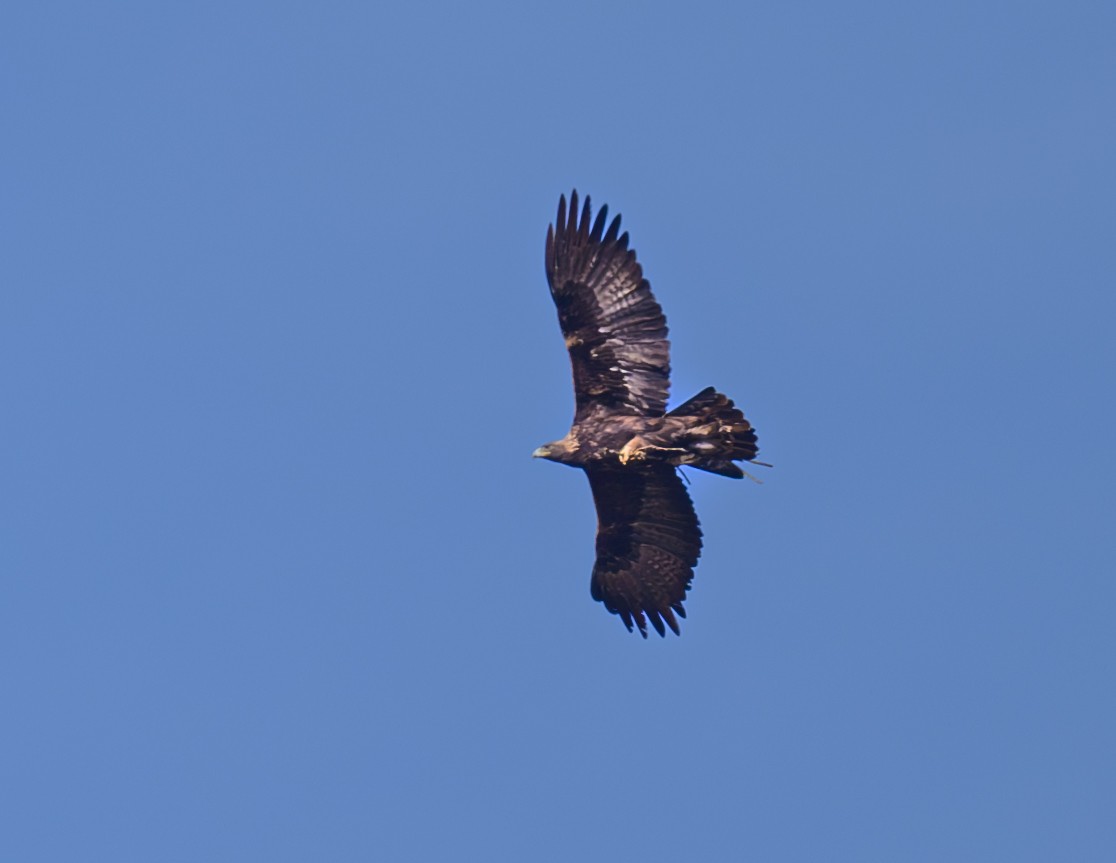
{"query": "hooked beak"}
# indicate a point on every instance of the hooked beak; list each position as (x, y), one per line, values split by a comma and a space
(541, 452)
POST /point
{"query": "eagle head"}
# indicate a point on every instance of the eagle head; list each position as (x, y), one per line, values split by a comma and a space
(563, 450)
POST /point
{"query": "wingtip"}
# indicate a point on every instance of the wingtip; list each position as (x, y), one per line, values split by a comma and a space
(668, 616)
(641, 622)
(599, 224)
(574, 215)
(613, 229)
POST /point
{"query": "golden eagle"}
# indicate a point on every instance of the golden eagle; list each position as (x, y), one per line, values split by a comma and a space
(623, 437)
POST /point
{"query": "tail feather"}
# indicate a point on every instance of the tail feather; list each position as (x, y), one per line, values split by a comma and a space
(715, 434)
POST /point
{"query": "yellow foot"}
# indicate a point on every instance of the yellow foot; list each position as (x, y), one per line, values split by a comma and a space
(631, 451)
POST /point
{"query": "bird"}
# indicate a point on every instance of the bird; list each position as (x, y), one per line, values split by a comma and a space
(630, 446)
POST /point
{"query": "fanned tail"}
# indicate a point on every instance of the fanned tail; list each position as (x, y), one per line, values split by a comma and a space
(716, 434)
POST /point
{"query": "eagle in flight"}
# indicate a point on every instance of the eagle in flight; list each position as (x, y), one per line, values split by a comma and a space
(623, 437)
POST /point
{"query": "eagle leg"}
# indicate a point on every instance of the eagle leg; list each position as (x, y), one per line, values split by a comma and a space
(632, 450)
(637, 449)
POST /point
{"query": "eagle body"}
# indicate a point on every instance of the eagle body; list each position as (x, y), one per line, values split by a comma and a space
(628, 444)
(607, 440)
(619, 440)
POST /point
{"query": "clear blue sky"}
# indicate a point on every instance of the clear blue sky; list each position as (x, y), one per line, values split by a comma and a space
(279, 580)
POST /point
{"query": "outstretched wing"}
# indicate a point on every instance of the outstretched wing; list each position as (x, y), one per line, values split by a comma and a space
(614, 328)
(648, 542)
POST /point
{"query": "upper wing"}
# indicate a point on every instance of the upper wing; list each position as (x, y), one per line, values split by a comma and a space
(648, 542)
(614, 329)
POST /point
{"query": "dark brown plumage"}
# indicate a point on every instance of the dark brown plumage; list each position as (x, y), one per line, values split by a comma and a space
(648, 537)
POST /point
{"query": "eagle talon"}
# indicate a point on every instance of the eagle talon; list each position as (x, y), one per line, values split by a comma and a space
(635, 450)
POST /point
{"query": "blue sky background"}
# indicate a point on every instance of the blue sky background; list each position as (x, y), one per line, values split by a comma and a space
(280, 580)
